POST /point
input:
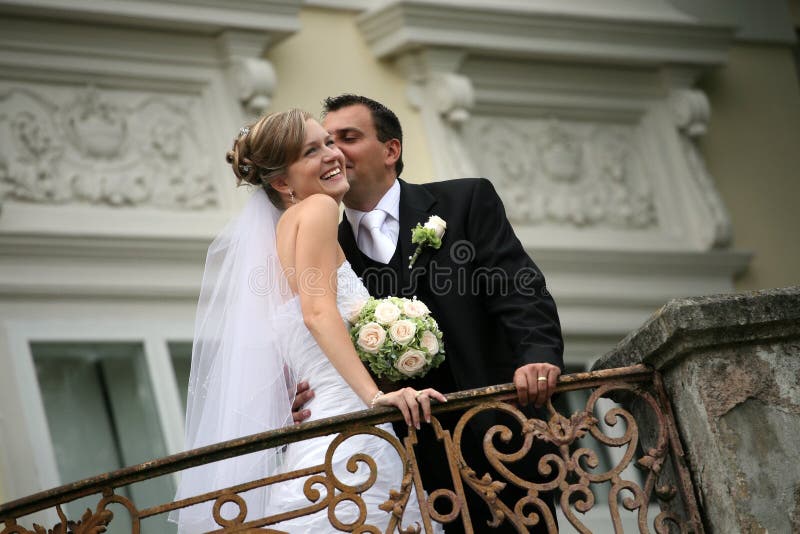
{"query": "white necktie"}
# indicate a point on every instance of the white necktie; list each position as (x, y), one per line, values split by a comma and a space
(371, 240)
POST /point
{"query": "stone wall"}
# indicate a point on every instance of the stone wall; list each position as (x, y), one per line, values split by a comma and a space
(731, 366)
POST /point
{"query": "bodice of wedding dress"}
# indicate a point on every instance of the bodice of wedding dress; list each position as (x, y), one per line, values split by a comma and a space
(333, 396)
(302, 359)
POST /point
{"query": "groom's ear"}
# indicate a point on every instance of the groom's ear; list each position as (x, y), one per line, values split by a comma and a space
(392, 150)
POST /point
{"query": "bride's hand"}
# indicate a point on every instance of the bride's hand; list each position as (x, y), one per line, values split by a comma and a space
(409, 400)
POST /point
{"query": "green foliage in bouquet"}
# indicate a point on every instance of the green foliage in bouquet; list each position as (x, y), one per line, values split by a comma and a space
(396, 337)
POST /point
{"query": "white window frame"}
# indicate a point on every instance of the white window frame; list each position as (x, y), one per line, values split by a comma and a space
(154, 337)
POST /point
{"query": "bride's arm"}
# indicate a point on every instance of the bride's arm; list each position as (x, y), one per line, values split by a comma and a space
(316, 255)
(316, 263)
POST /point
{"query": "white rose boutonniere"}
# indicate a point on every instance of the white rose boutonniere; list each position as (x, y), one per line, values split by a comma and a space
(428, 235)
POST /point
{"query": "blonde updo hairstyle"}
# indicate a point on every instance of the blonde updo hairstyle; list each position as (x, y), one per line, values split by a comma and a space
(265, 149)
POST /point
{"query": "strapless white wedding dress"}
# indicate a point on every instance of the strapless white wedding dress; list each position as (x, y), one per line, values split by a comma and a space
(333, 396)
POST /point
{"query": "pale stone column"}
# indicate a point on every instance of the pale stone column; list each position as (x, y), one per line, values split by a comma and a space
(731, 367)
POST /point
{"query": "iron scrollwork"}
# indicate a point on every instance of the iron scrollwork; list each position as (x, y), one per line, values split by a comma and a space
(572, 469)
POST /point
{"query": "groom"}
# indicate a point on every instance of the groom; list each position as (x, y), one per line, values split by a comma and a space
(499, 322)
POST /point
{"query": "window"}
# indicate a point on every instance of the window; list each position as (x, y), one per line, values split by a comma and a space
(181, 355)
(102, 415)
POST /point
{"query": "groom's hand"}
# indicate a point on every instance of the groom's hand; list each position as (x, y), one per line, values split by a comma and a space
(303, 394)
(529, 386)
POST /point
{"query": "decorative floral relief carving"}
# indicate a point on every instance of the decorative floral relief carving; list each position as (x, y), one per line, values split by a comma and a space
(565, 173)
(102, 148)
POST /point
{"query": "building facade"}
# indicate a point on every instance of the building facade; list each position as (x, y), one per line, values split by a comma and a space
(644, 150)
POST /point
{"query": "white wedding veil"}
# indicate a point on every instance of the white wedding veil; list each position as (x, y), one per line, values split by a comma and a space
(239, 382)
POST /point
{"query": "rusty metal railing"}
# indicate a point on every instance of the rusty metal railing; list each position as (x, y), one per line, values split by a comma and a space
(645, 437)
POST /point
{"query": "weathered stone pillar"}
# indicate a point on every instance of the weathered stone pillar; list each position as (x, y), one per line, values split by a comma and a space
(731, 366)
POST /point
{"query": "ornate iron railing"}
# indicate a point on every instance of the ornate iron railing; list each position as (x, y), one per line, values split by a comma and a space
(644, 435)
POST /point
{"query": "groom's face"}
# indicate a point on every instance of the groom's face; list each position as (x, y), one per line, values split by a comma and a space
(354, 133)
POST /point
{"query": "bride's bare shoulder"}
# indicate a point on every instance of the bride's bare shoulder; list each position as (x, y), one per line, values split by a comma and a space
(316, 208)
(311, 207)
(318, 201)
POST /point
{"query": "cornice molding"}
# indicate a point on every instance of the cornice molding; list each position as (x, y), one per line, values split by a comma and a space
(279, 18)
(567, 31)
(40, 266)
(33, 246)
(345, 5)
(233, 35)
(760, 21)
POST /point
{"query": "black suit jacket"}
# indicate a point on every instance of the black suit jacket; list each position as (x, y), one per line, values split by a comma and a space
(483, 289)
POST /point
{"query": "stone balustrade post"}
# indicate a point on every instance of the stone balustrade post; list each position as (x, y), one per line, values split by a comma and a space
(731, 367)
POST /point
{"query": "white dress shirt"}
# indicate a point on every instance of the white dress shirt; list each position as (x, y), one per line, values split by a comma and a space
(389, 203)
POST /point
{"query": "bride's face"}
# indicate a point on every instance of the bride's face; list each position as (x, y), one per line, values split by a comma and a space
(320, 168)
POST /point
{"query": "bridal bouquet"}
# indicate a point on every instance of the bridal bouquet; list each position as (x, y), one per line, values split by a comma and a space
(396, 337)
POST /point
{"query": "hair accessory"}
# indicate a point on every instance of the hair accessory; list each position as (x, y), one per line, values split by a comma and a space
(244, 130)
(244, 169)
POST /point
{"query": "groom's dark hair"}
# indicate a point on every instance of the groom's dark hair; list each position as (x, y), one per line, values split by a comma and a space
(387, 125)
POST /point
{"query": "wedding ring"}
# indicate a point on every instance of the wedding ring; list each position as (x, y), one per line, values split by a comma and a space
(418, 394)
(541, 379)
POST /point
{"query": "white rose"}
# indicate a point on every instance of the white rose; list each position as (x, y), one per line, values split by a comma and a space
(371, 337)
(386, 312)
(402, 331)
(415, 308)
(436, 224)
(429, 342)
(354, 311)
(410, 362)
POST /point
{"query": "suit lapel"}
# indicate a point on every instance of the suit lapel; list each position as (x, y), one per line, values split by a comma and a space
(348, 243)
(415, 207)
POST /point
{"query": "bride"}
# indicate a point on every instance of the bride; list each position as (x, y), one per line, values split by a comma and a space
(275, 290)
